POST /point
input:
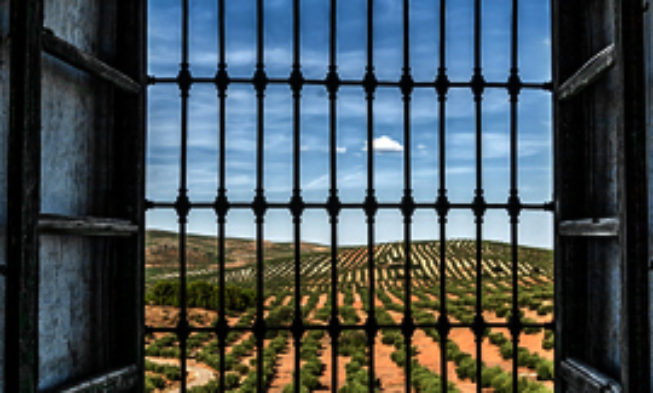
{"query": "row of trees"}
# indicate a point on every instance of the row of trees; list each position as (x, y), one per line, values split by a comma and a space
(201, 294)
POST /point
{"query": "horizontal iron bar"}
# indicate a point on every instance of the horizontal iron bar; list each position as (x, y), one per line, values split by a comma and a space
(118, 380)
(588, 73)
(453, 325)
(85, 226)
(153, 80)
(78, 58)
(321, 205)
(601, 227)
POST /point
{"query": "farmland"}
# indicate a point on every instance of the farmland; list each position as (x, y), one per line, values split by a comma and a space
(535, 355)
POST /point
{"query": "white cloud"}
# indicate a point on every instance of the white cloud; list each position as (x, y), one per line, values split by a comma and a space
(385, 144)
(341, 149)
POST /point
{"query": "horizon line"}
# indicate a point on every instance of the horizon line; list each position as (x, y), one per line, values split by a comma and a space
(345, 244)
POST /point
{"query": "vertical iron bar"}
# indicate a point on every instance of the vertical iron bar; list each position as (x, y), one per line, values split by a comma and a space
(296, 203)
(259, 204)
(221, 202)
(477, 87)
(333, 202)
(182, 203)
(513, 198)
(442, 86)
(370, 84)
(406, 85)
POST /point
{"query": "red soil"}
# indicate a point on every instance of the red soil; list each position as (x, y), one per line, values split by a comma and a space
(325, 379)
(285, 367)
(168, 316)
(389, 373)
(199, 374)
(240, 339)
(397, 300)
(320, 304)
(465, 340)
(392, 376)
(428, 355)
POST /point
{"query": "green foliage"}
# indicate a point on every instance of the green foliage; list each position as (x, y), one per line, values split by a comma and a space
(488, 374)
(290, 388)
(165, 346)
(531, 329)
(497, 338)
(172, 373)
(153, 382)
(548, 341)
(466, 368)
(506, 350)
(349, 314)
(545, 309)
(197, 339)
(323, 314)
(426, 381)
(201, 294)
(350, 342)
(544, 370)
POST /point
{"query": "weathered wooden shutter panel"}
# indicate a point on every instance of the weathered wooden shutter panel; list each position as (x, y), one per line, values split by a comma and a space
(75, 226)
(602, 339)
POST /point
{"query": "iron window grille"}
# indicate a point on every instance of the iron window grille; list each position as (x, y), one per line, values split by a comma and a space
(407, 206)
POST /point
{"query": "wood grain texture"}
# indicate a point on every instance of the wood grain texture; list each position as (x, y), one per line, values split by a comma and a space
(87, 62)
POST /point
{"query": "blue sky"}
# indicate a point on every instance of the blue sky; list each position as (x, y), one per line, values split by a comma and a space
(535, 154)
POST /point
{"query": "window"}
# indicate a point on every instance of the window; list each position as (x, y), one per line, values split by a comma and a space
(73, 143)
(258, 315)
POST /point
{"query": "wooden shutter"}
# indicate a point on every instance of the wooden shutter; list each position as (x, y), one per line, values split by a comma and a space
(602, 341)
(75, 196)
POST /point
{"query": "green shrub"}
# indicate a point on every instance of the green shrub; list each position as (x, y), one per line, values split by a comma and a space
(544, 370)
(351, 341)
(506, 350)
(290, 388)
(545, 309)
(153, 382)
(502, 383)
(531, 329)
(172, 373)
(466, 368)
(497, 338)
(548, 342)
(241, 369)
(201, 294)
(231, 380)
(452, 349)
(488, 374)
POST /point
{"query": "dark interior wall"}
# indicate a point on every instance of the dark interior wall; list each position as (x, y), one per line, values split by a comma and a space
(590, 269)
(71, 306)
(4, 132)
(648, 52)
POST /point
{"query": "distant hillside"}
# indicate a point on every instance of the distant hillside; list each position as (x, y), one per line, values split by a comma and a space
(162, 260)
